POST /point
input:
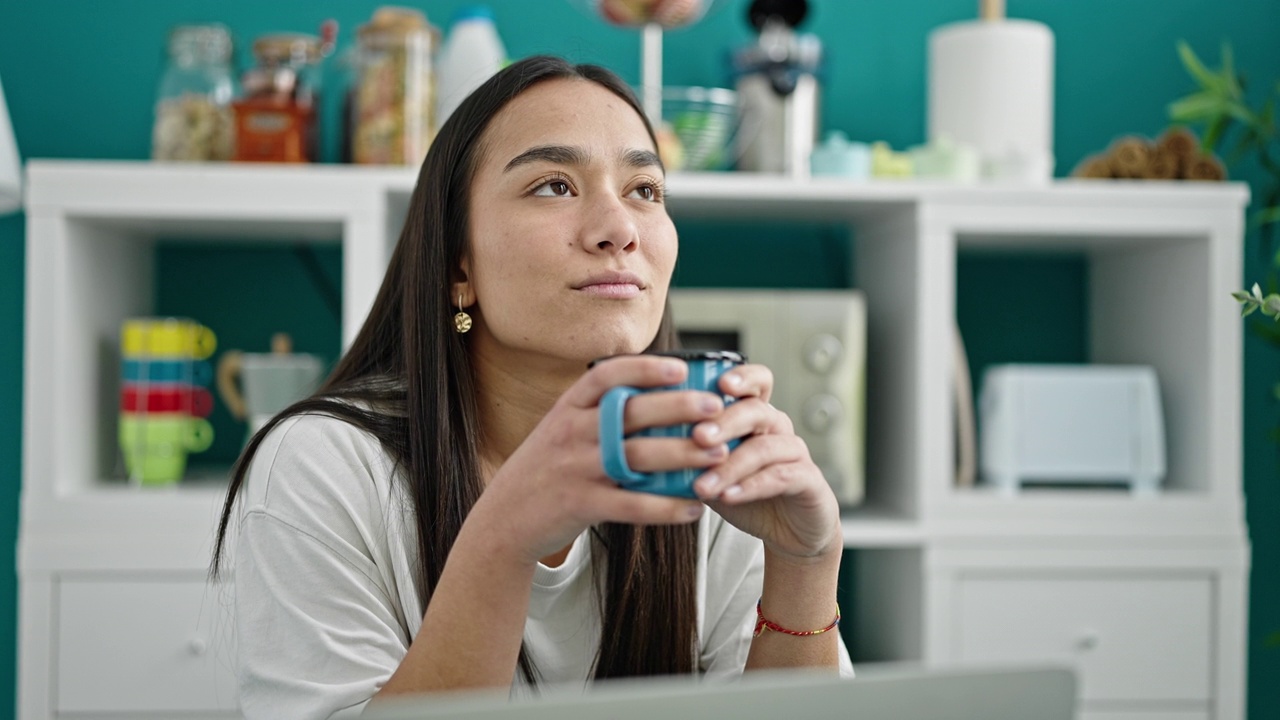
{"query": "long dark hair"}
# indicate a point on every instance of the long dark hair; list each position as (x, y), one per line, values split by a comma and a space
(408, 380)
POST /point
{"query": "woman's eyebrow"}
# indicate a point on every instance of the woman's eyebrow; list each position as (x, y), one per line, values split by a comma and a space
(642, 158)
(557, 154)
(571, 155)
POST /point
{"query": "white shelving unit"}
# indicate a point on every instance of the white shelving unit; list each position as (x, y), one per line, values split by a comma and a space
(1146, 596)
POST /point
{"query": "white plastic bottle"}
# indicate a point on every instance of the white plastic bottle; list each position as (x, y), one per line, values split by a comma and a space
(472, 53)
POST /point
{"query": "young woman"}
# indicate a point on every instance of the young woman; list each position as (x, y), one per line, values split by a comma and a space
(437, 516)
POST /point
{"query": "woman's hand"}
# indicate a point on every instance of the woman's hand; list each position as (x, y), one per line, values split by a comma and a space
(768, 487)
(553, 486)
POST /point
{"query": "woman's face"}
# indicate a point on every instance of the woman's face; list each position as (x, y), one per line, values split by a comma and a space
(570, 249)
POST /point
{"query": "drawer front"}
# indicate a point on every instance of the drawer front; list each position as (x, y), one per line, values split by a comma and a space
(144, 646)
(1134, 638)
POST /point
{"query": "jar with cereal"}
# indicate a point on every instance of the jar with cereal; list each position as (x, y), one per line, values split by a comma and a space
(393, 100)
(193, 117)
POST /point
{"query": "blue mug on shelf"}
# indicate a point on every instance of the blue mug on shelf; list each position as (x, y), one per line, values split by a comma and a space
(705, 369)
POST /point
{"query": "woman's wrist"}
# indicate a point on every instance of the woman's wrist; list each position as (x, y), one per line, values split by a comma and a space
(485, 535)
(832, 549)
(800, 593)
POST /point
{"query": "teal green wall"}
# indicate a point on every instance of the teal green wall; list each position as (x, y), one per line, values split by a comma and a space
(80, 77)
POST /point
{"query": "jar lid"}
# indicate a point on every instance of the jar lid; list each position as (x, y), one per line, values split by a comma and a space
(393, 19)
(287, 49)
(211, 42)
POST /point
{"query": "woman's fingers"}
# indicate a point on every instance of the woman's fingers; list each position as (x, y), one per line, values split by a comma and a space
(748, 381)
(762, 466)
(642, 508)
(751, 416)
(664, 454)
(666, 409)
(635, 370)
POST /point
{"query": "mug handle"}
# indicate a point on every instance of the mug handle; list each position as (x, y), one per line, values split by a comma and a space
(199, 435)
(203, 342)
(201, 372)
(200, 401)
(229, 368)
(612, 454)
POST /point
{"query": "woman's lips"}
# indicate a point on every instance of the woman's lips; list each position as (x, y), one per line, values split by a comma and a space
(612, 285)
(612, 290)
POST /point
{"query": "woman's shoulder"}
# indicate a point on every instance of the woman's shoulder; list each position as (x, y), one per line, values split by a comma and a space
(315, 460)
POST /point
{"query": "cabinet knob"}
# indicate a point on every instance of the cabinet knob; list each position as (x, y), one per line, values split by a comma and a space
(1087, 640)
(197, 647)
(822, 352)
(821, 412)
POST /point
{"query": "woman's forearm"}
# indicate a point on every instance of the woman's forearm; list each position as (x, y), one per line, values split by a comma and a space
(472, 629)
(799, 594)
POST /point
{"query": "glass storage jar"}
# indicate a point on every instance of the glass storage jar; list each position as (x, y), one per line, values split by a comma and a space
(393, 100)
(276, 113)
(193, 119)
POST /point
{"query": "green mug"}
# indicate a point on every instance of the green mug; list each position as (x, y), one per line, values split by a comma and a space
(155, 446)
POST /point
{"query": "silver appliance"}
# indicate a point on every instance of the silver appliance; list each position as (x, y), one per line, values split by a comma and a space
(815, 344)
(777, 84)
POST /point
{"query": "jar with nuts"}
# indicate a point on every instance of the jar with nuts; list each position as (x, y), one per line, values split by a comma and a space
(193, 117)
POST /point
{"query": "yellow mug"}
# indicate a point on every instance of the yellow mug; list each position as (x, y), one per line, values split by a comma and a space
(166, 337)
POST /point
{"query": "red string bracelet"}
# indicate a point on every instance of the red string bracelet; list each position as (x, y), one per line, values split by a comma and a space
(762, 623)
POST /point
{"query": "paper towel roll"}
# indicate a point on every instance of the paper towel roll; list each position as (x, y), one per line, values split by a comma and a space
(991, 86)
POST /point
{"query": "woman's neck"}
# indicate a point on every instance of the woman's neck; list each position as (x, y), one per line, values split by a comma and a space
(513, 397)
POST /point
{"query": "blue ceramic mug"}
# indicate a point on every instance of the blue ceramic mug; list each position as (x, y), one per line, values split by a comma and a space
(705, 369)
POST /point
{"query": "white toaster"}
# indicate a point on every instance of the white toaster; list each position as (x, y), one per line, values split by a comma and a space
(1071, 425)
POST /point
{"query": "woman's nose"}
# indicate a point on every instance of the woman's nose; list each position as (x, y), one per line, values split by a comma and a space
(609, 226)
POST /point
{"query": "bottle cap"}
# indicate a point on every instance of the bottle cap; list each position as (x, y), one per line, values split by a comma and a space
(473, 12)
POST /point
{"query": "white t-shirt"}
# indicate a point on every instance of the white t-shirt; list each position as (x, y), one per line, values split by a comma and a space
(326, 598)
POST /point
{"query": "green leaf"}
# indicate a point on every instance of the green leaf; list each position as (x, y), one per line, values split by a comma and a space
(1249, 309)
(1237, 110)
(1217, 128)
(1265, 129)
(1241, 296)
(1257, 292)
(1197, 107)
(1229, 71)
(1266, 217)
(1197, 70)
(1272, 306)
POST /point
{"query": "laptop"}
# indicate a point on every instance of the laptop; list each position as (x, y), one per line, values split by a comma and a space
(888, 692)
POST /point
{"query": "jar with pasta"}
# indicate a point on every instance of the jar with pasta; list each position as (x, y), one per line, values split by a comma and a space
(193, 116)
(392, 102)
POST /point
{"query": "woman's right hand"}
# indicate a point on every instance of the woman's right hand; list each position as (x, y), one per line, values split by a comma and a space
(554, 486)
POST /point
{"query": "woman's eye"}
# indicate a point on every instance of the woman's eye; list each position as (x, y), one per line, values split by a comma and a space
(553, 188)
(647, 192)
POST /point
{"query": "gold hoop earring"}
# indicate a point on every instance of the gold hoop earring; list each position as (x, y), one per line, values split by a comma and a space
(461, 321)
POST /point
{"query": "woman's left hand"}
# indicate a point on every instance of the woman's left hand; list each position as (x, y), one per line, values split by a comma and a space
(768, 487)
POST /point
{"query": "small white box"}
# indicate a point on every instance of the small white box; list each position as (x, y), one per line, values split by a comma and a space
(1073, 425)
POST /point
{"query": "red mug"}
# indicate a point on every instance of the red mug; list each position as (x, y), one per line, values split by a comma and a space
(167, 398)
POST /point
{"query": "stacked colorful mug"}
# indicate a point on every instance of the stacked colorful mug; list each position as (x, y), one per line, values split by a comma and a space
(164, 397)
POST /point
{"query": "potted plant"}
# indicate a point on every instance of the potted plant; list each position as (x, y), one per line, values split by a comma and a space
(1219, 105)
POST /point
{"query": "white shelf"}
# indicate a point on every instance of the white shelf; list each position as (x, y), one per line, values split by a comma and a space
(1163, 258)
